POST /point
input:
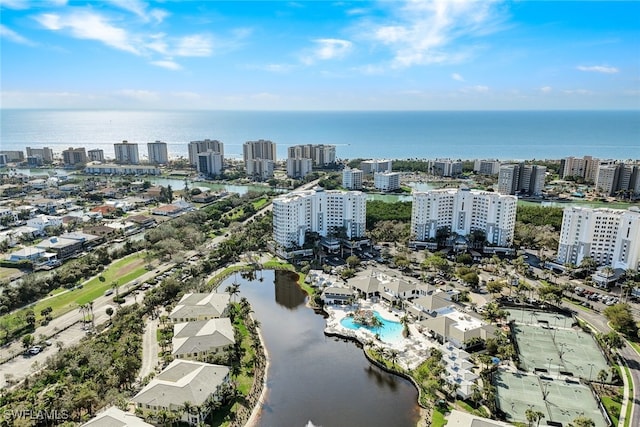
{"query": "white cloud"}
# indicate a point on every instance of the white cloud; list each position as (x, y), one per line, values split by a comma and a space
(139, 95)
(168, 64)
(16, 4)
(598, 69)
(9, 34)
(546, 89)
(577, 92)
(195, 45)
(427, 32)
(88, 25)
(327, 49)
(457, 77)
(139, 8)
(278, 68)
(475, 89)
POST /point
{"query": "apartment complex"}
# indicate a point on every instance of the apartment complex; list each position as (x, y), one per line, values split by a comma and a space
(158, 154)
(44, 153)
(259, 158)
(369, 167)
(210, 163)
(74, 156)
(618, 178)
(521, 179)
(126, 153)
(463, 211)
(352, 178)
(95, 155)
(386, 181)
(446, 167)
(299, 167)
(324, 212)
(611, 237)
(319, 154)
(197, 147)
(586, 167)
(486, 167)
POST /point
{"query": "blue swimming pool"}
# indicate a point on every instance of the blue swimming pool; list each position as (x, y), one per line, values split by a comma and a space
(389, 332)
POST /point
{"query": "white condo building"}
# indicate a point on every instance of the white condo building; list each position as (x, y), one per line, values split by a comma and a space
(319, 211)
(371, 166)
(299, 167)
(463, 211)
(126, 153)
(197, 147)
(386, 181)
(210, 163)
(611, 237)
(158, 153)
(352, 178)
(586, 167)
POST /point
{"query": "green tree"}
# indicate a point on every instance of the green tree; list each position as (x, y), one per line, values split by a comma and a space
(622, 319)
(582, 421)
(27, 340)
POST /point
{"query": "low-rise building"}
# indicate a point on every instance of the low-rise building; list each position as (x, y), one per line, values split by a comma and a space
(200, 306)
(185, 381)
(192, 340)
(114, 417)
(386, 181)
(64, 248)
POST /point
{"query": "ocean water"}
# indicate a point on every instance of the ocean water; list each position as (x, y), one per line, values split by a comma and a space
(397, 135)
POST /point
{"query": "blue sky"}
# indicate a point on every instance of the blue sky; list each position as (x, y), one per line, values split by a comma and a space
(320, 55)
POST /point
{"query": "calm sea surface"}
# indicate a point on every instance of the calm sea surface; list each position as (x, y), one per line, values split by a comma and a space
(314, 378)
(397, 135)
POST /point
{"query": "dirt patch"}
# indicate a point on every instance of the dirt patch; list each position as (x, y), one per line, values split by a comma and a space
(130, 267)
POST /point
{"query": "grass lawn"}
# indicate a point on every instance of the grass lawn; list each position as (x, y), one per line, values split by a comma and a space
(260, 203)
(437, 418)
(612, 407)
(6, 273)
(627, 416)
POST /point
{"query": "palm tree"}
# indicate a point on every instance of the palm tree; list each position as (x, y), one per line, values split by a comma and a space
(83, 310)
(233, 290)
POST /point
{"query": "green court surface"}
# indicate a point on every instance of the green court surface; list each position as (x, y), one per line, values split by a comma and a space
(560, 401)
(547, 343)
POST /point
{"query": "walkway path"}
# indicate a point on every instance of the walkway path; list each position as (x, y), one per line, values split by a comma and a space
(150, 349)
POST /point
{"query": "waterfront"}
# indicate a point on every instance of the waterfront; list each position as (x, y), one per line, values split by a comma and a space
(373, 134)
(314, 378)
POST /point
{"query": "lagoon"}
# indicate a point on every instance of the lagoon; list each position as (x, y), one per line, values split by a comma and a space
(315, 378)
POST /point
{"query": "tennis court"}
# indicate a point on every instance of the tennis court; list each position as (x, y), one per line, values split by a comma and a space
(560, 401)
(545, 344)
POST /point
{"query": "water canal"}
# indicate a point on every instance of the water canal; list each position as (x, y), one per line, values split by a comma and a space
(315, 378)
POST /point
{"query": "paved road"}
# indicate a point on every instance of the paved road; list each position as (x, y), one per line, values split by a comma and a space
(19, 367)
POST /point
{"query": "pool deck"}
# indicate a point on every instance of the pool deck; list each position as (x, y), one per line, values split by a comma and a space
(412, 350)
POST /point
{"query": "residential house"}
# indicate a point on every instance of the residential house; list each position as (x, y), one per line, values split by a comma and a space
(200, 306)
(64, 248)
(41, 222)
(167, 210)
(201, 338)
(185, 381)
(142, 221)
(114, 417)
(36, 255)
